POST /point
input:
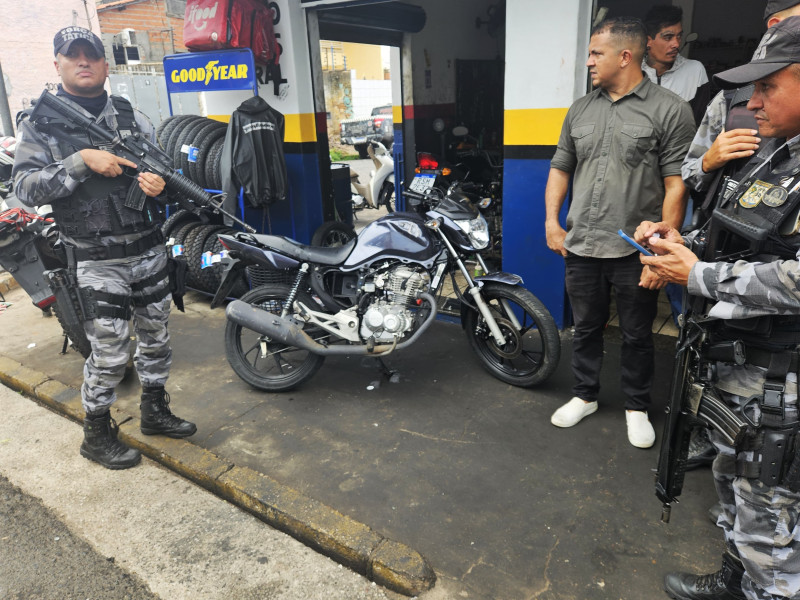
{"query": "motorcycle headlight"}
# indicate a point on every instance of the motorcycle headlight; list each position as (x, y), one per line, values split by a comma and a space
(477, 230)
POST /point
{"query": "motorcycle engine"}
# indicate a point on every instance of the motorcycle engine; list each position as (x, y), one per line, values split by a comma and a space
(388, 316)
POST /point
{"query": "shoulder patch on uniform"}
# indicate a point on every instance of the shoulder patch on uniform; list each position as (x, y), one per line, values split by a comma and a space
(754, 194)
(775, 196)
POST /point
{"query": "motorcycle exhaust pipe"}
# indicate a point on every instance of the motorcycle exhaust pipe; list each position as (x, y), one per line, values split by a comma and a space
(287, 332)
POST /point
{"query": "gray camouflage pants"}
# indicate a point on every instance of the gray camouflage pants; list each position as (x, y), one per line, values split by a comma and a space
(761, 523)
(110, 338)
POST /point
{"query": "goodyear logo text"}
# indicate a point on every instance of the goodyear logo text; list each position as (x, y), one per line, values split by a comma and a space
(211, 72)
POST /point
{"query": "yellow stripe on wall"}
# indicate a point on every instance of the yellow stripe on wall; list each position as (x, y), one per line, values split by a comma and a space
(397, 114)
(533, 126)
(299, 128)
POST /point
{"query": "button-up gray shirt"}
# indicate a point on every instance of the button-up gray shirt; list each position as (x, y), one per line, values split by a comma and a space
(619, 153)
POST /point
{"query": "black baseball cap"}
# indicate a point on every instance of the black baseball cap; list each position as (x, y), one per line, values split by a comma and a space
(779, 48)
(64, 39)
(776, 6)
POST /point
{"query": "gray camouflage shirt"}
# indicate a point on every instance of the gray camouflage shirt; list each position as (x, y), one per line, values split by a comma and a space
(746, 289)
(42, 175)
(710, 127)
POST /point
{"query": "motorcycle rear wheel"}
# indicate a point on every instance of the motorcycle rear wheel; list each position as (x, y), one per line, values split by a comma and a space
(529, 355)
(284, 367)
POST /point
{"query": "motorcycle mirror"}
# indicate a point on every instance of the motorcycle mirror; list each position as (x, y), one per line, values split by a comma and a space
(438, 125)
(460, 131)
(692, 37)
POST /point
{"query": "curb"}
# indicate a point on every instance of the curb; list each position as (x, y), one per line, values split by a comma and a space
(348, 542)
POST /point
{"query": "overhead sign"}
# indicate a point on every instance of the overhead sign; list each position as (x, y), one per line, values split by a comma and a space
(211, 71)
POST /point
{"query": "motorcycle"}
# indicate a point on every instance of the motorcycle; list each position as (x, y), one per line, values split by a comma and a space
(8, 147)
(477, 174)
(378, 294)
(379, 190)
(29, 251)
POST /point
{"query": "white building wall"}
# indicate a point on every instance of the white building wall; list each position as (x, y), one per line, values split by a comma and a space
(369, 93)
(546, 50)
(26, 54)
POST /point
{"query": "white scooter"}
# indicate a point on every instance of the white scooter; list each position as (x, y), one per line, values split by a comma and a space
(379, 190)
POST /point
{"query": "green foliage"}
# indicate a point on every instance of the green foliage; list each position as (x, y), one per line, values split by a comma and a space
(338, 155)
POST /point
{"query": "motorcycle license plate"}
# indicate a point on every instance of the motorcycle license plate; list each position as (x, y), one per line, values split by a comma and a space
(360, 140)
(422, 182)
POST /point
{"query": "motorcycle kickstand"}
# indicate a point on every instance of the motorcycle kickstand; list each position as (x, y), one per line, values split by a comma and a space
(392, 375)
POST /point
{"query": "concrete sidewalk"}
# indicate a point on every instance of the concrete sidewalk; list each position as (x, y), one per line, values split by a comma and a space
(458, 476)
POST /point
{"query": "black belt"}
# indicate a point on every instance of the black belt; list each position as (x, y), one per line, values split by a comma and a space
(120, 250)
(761, 358)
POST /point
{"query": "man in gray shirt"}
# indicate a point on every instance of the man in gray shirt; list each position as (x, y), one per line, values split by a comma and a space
(623, 145)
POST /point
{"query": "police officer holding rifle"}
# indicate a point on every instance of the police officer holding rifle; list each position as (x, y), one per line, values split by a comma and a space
(109, 224)
(742, 272)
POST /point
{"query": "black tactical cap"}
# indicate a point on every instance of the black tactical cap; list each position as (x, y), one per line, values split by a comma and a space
(64, 38)
(776, 6)
(779, 48)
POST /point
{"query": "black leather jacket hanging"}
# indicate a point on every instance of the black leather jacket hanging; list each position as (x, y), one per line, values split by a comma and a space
(252, 157)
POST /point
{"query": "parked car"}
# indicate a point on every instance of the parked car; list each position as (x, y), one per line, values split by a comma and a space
(360, 132)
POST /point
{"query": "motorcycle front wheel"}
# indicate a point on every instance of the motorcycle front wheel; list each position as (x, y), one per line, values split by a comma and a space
(261, 363)
(531, 352)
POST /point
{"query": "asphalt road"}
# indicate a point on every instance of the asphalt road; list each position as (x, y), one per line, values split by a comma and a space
(70, 529)
(40, 557)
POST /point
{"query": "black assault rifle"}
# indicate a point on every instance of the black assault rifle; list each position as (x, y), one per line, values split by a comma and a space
(51, 113)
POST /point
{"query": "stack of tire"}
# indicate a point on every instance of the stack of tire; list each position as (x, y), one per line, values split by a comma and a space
(197, 234)
(177, 133)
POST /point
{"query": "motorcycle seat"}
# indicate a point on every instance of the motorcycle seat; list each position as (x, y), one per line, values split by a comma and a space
(321, 255)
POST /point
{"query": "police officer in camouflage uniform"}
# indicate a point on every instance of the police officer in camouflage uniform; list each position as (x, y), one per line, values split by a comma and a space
(725, 140)
(750, 272)
(109, 224)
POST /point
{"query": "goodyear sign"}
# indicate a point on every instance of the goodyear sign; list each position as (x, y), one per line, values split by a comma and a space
(210, 71)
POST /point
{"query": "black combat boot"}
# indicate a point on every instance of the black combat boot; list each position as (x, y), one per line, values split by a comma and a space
(157, 417)
(725, 584)
(101, 445)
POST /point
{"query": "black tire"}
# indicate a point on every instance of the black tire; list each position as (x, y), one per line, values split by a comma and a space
(212, 166)
(176, 220)
(167, 127)
(332, 234)
(386, 197)
(362, 150)
(212, 276)
(186, 165)
(284, 367)
(182, 232)
(197, 169)
(186, 137)
(529, 356)
(172, 141)
(195, 242)
(75, 333)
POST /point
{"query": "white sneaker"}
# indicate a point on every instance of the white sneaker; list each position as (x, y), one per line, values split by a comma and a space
(640, 431)
(572, 412)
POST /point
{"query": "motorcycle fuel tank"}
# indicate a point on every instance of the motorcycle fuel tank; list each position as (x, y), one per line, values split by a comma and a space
(400, 236)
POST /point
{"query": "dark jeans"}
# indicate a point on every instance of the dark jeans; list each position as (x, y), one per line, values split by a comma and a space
(589, 283)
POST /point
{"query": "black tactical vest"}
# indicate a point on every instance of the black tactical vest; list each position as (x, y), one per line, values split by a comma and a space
(759, 219)
(98, 207)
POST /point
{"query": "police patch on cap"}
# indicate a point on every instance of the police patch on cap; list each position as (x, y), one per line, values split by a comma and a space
(64, 39)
